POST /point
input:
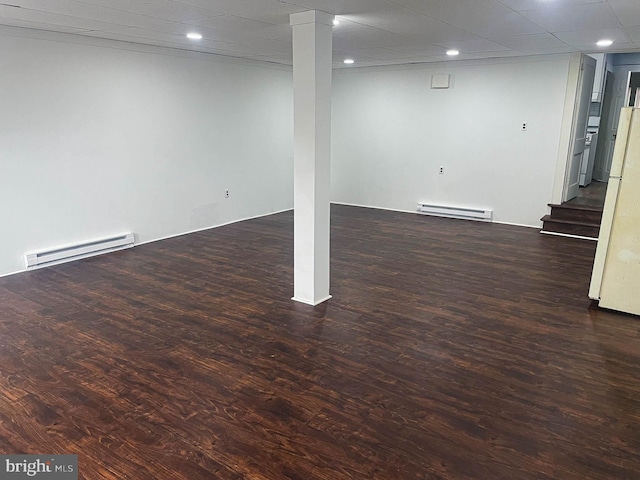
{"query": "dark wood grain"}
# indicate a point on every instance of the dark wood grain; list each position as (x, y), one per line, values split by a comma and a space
(450, 350)
(593, 194)
(580, 216)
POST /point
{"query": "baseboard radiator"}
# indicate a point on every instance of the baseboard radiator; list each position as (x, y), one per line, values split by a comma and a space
(82, 250)
(480, 215)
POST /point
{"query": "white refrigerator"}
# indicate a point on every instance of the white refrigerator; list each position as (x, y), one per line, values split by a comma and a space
(615, 280)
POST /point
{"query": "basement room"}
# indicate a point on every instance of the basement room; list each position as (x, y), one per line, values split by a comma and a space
(320, 239)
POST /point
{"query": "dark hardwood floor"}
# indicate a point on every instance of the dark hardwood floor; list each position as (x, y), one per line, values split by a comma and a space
(591, 195)
(450, 350)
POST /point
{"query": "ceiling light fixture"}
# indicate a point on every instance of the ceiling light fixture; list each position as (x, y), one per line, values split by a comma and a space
(605, 43)
(349, 61)
(336, 22)
(453, 53)
(194, 36)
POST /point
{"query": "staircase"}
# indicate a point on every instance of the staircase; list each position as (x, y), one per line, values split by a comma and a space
(573, 219)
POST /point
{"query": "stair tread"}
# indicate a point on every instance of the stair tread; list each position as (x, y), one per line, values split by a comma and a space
(576, 206)
(549, 218)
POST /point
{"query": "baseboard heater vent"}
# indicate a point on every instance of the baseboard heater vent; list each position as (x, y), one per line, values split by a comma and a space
(82, 250)
(479, 215)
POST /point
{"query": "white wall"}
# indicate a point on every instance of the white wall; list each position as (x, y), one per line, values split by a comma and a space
(392, 132)
(97, 138)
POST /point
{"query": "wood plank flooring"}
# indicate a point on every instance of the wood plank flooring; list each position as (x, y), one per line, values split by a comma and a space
(592, 195)
(450, 350)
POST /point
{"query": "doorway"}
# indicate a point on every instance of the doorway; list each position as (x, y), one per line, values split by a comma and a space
(615, 96)
(578, 141)
(619, 82)
(580, 212)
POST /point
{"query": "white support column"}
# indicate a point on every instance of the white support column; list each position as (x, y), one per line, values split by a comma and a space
(312, 64)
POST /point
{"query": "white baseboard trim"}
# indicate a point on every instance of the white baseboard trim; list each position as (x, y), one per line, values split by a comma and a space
(413, 211)
(212, 227)
(568, 235)
(13, 273)
(518, 224)
(171, 236)
(309, 302)
(376, 208)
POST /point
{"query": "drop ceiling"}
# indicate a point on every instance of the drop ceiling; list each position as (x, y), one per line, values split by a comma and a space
(373, 32)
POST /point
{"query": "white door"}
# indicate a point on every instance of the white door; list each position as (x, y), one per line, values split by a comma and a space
(619, 95)
(604, 135)
(580, 123)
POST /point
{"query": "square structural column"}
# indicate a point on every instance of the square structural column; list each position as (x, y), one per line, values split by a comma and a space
(312, 65)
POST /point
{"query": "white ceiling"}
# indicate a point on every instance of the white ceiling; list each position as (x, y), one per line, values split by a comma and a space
(373, 32)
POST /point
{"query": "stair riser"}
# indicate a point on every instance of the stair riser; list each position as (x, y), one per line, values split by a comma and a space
(577, 215)
(580, 230)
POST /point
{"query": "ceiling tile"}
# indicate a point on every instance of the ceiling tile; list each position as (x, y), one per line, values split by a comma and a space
(531, 43)
(40, 17)
(586, 39)
(149, 37)
(520, 5)
(510, 23)
(486, 18)
(424, 50)
(633, 33)
(563, 18)
(452, 12)
(176, 33)
(347, 7)
(421, 27)
(12, 22)
(627, 11)
(501, 54)
(180, 30)
(376, 63)
(359, 57)
(133, 34)
(256, 48)
(457, 58)
(377, 31)
(270, 11)
(80, 9)
(165, 9)
(363, 36)
(473, 46)
(122, 36)
(232, 23)
(378, 54)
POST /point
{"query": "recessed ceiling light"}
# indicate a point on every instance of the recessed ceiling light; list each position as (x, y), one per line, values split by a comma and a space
(336, 22)
(349, 61)
(194, 36)
(605, 42)
(453, 53)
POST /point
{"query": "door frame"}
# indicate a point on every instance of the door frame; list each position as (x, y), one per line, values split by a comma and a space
(605, 156)
(567, 132)
(580, 125)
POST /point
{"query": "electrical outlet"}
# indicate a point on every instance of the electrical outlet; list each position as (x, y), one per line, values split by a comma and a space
(226, 194)
(441, 171)
(525, 125)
